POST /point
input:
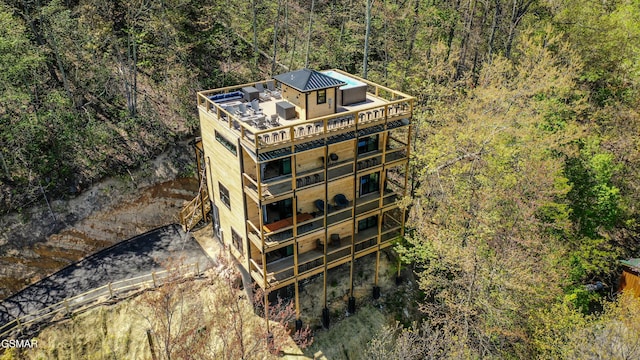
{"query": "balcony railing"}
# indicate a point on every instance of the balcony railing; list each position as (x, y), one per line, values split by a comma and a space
(270, 188)
(340, 170)
(310, 260)
(390, 235)
(366, 234)
(390, 199)
(257, 273)
(369, 202)
(281, 269)
(396, 155)
(304, 131)
(337, 215)
(275, 187)
(309, 179)
(369, 163)
(398, 105)
(366, 244)
(339, 254)
(310, 226)
(391, 228)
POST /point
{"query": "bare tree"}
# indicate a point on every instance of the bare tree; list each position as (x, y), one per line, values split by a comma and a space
(365, 61)
(275, 38)
(306, 57)
(210, 318)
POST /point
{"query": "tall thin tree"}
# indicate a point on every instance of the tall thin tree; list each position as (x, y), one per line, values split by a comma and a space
(275, 39)
(365, 61)
(255, 27)
(306, 58)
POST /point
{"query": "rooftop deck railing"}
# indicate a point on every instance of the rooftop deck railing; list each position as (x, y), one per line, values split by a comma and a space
(398, 105)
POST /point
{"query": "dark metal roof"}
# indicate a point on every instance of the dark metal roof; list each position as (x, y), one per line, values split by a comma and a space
(308, 80)
(632, 263)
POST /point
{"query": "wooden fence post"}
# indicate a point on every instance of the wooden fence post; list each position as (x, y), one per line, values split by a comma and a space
(153, 276)
(111, 296)
(197, 269)
(66, 305)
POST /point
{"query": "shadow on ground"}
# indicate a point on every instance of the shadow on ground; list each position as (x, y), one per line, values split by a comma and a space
(139, 255)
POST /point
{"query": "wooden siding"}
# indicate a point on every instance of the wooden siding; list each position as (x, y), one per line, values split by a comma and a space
(315, 110)
(309, 160)
(308, 181)
(296, 98)
(342, 186)
(344, 150)
(223, 167)
(630, 281)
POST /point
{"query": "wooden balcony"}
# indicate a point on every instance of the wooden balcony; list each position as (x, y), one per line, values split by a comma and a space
(384, 109)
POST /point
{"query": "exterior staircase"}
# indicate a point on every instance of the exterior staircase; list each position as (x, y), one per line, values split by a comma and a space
(198, 209)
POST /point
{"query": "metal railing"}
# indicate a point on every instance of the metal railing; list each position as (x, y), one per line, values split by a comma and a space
(112, 290)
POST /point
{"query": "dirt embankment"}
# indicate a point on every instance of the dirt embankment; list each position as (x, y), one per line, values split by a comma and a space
(42, 239)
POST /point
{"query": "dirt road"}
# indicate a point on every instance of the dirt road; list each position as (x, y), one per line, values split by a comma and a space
(42, 239)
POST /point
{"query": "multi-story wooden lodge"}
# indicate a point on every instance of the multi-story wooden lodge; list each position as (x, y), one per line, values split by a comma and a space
(303, 172)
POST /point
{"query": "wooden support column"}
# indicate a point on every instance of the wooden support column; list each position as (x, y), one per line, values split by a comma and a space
(354, 170)
(297, 300)
(261, 226)
(266, 309)
(326, 231)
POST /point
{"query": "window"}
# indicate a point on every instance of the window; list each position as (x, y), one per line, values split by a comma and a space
(369, 183)
(322, 96)
(224, 195)
(367, 144)
(279, 254)
(368, 223)
(277, 168)
(236, 239)
(226, 143)
(277, 211)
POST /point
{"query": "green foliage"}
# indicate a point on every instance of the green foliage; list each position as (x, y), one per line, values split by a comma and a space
(563, 332)
(93, 88)
(607, 35)
(525, 161)
(595, 200)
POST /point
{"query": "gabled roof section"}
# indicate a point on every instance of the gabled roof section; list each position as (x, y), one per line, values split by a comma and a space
(632, 263)
(308, 80)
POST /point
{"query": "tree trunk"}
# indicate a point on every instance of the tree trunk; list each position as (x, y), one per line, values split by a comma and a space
(293, 52)
(365, 61)
(412, 40)
(255, 27)
(517, 14)
(5, 167)
(275, 39)
(452, 28)
(464, 45)
(63, 74)
(306, 57)
(286, 25)
(494, 26)
(385, 65)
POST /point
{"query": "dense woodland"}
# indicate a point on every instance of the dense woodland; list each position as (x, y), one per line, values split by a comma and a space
(526, 156)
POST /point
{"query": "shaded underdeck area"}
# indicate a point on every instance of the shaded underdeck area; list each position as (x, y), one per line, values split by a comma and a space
(168, 246)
